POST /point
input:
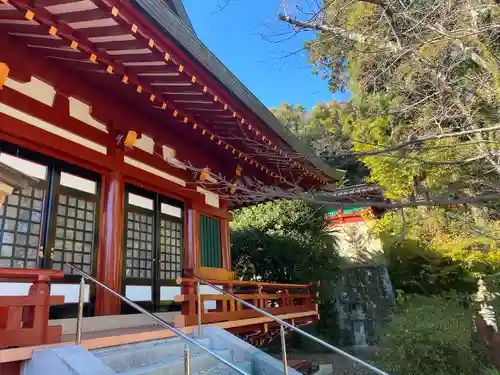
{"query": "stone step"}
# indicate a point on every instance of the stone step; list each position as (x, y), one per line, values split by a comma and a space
(199, 363)
(127, 357)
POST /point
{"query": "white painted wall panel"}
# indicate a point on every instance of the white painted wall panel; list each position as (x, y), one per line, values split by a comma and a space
(74, 6)
(140, 201)
(167, 293)
(138, 292)
(171, 210)
(205, 289)
(19, 115)
(153, 170)
(78, 183)
(14, 289)
(35, 89)
(211, 199)
(71, 292)
(145, 143)
(27, 167)
(81, 111)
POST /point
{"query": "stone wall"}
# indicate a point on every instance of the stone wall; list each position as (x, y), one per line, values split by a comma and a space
(364, 301)
(364, 294)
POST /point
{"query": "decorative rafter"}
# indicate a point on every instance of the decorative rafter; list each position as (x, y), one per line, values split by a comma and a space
(157, 99)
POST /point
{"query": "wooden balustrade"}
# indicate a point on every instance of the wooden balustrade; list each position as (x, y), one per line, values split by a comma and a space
(276, 299)
(24, 320)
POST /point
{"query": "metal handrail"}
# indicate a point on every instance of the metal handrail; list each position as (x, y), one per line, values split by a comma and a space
(144, 311)
(293, 328)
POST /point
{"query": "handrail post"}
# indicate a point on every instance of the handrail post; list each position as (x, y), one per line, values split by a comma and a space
(187, 360)
(200, 308)
(293, 328)
(156, 318)
(81, 300)
(283, 349)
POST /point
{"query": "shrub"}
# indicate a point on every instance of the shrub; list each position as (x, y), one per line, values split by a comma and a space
(283, 241)
(288, 241)
(416, 269)
(430, 336)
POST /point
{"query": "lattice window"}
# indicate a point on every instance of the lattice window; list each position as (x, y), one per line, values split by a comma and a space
(75, 229)
(20, 225)
(139, 245)
(170, 249)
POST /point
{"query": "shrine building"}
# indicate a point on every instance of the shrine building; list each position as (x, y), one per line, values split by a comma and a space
(133, 140)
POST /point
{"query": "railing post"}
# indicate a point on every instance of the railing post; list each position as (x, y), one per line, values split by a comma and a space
(283, 349)
(162, 322)
(200, 308)
(81, 300)
(187, 360)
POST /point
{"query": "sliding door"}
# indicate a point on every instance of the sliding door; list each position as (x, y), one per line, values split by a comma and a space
(153, 247)
(51, 223)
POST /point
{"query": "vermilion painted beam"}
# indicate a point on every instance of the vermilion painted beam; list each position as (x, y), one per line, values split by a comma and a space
(110, 259)
(42, 141)
(106, 108)
(221, 213)
(42, 14)
(191, 238)
(225, 245)
(57, 115)
(25, 135)
(132, 15)
(347, 220)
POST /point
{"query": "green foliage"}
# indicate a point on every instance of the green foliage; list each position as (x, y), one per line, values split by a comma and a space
(430, 336)
(321, 129)
(292, 117)
(287, 241)
(439, 248)
(414, 269)
(283, 241)
(410, 80)
(411, 70)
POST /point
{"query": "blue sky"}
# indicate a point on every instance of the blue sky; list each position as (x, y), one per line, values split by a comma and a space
(235, 35)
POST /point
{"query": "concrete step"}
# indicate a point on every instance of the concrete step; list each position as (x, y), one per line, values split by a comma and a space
(145, 344)
(102, 326)
(127, 357)
(224, 370)
(199, 364)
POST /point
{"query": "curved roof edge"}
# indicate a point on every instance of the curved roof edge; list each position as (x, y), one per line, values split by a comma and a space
(174, 28)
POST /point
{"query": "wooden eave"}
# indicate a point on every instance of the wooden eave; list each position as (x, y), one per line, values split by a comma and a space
(116, 47)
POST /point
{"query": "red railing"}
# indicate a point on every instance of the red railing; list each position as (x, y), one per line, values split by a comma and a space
(24, 320)
(277, 299)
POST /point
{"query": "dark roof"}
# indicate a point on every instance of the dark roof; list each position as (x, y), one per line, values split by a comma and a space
(353, 194)
(180, 11)
(170, 24)
(363, 190)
